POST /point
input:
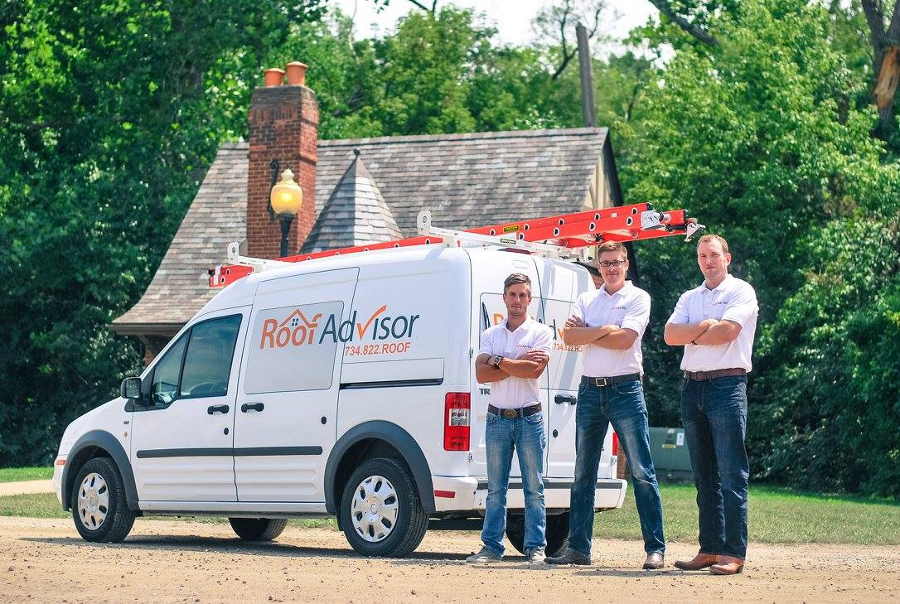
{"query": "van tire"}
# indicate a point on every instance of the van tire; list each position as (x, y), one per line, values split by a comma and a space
(258, 529)
(99, 508)
(557, 531)
(397, 491)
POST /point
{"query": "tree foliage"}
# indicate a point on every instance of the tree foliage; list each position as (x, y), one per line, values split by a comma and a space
(109, 115)
(764, 140)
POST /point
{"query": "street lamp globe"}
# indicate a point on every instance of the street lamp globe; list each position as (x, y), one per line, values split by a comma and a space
(286, 196)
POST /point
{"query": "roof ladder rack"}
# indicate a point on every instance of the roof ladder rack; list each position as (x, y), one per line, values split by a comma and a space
(553, 236)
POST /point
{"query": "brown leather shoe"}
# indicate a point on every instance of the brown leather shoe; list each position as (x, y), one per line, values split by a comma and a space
(700, 561)
(727, 565)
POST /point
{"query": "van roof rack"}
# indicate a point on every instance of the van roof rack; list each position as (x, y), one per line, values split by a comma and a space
(553, 236)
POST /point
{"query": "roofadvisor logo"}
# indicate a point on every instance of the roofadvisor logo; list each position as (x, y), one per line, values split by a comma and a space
(298, 330)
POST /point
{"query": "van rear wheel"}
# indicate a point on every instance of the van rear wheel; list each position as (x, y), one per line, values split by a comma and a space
(557, 531)
(380, 511)
(258, 529)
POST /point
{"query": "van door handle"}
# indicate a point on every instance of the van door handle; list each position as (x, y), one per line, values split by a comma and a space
(217, 409)
(559, 399)
(252, 407)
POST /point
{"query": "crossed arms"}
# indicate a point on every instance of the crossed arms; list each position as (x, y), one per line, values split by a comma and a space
(708, 332)
(530, 365)
(607, 336)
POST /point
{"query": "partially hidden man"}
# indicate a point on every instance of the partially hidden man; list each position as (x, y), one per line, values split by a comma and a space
(716, 322)
(610, 323)
(513, 356)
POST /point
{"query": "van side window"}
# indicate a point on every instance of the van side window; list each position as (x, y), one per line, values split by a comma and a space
(164, 387)
(207, 364)
(294, 347)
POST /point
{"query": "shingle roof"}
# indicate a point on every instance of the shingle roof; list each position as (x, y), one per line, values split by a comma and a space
(355, 214)
(467, 180)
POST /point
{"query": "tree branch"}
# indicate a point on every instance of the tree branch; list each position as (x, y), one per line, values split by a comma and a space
(666, 8)
(893, 32)
(423, 7)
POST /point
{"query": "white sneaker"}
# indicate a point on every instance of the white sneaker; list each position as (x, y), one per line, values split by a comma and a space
(537, 556)
(484, 556)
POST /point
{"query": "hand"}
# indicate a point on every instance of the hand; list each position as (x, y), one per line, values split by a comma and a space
(537, 356)
(574, 321)
(707, 323)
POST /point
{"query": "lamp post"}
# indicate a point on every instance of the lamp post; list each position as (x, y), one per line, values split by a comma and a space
(286, 198)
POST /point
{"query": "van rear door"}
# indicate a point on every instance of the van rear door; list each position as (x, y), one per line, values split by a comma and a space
(560, 284)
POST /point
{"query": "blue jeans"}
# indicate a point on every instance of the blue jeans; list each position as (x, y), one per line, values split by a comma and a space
(714, 413)
(503, 436)
(623, 406)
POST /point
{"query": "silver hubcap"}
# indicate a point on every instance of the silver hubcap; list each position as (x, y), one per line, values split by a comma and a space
(93, 501)
(374, 509)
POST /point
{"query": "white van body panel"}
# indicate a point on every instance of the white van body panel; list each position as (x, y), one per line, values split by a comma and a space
(328, 346)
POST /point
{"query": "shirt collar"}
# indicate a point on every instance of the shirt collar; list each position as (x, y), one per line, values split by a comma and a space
(720, 287)
(621, 292)
(524, 323)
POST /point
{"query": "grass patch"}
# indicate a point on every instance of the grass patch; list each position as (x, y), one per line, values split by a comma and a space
(776, 515)
(16, 474)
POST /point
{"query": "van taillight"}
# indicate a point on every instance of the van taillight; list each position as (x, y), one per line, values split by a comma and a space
(457, 410)
(615, 445)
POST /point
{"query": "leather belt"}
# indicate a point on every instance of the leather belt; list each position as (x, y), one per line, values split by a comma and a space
(702, 376)
(600, 382)
(514, 413)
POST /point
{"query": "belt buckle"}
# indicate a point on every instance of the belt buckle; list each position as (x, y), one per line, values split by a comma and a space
(601, 382)
(509, 413)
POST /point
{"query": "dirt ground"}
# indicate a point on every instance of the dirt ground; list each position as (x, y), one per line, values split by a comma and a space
(44, 560)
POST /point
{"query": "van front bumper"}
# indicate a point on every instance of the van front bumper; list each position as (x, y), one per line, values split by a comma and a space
(461, 493)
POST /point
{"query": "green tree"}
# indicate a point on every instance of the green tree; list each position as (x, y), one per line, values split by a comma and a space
(764, 142)
(109, 115)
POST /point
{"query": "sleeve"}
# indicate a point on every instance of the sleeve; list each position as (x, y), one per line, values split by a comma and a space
(637, 315)
(487, 342)
(742, 307)
(680, 314)
(544, 339)
(578, 307)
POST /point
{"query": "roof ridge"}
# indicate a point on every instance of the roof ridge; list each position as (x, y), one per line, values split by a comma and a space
(431, 138)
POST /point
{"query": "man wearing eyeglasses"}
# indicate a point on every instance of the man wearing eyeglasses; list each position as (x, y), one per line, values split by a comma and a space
(609, 322)
(715, 322)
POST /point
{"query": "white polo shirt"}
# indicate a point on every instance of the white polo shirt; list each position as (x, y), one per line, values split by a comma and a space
(732, 300)
(629, 308)
(515, 392)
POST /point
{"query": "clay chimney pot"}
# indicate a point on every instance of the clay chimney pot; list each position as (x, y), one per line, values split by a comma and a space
(296, 73)
(274, 77)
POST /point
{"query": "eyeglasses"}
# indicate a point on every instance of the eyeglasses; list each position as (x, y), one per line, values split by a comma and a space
(611, 263)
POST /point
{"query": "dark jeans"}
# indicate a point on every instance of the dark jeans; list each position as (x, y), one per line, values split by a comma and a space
(623, 406)
(714, 413)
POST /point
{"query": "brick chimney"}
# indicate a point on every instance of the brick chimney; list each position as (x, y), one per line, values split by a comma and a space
(284, 122)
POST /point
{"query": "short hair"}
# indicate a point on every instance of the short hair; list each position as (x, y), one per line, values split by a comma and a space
(611, 246)
(515, 279)
(718, 238)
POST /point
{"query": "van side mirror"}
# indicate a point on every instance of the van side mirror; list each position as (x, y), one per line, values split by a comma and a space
(131, 388)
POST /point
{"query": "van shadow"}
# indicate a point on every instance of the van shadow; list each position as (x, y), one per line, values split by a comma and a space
(233, 546)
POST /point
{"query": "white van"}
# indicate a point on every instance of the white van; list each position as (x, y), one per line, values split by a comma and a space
(341, 386)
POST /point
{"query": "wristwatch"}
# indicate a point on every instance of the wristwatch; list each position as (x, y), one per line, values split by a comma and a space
(496, 360)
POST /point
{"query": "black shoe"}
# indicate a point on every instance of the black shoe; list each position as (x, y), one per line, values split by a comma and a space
(570, 556)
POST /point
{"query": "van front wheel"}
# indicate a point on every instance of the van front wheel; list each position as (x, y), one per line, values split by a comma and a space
(99, 508)
(380, 510)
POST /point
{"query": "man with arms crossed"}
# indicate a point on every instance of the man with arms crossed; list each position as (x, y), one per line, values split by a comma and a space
(610, 322)
(715, 323)
(513, 355)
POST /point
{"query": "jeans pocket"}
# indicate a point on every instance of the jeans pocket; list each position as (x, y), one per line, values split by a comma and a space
(491, 418)
(535, 418)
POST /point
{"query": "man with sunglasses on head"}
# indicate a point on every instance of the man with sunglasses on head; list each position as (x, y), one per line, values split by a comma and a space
(609, 322)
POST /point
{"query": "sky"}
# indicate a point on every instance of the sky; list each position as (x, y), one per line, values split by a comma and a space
(512, 18)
